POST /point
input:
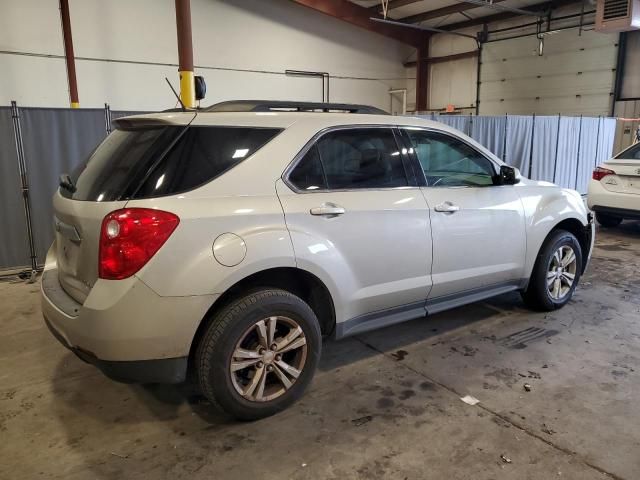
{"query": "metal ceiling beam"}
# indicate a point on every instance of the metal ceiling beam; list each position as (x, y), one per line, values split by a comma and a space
(421, 27)
(442, 12)
(360, 16)
(393, 4)
(498, 17)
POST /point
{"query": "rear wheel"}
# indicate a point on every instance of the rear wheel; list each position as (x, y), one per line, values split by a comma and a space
(608, 221)
(556, 272)
(259, 354)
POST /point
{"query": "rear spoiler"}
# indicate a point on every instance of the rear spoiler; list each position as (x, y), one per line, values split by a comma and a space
(134, 122)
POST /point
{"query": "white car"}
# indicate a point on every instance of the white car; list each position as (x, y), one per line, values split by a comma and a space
(614, 190)
(228, 241)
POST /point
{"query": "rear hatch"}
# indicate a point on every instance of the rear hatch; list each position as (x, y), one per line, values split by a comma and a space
(143, 158)
(627, 168)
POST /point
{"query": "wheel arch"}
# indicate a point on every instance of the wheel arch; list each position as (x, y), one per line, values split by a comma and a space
(292, 279)
(581, 231)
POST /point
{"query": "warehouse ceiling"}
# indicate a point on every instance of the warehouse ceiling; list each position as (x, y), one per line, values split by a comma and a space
(452, 14)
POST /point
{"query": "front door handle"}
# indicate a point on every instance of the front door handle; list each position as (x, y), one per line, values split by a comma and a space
(446, 207)
(327, 210)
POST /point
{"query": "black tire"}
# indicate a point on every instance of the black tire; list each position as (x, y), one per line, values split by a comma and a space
(216, 349)
(537, 294)
(608, 221)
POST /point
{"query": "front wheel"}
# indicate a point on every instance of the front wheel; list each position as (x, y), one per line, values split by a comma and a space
(608, 221)
(258, 354)
(556, 272)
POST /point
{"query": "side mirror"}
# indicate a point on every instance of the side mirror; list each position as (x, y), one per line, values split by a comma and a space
(509, 175)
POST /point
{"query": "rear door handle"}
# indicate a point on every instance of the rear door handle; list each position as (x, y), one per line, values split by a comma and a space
(446, 207)
(327, 210)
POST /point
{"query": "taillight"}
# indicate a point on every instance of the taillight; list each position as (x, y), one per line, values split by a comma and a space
(599, 173)
(130, 237)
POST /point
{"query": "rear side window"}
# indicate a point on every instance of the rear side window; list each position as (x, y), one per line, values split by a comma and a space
(351, 159)
(632, 153)
(151, 162)
(200, 155)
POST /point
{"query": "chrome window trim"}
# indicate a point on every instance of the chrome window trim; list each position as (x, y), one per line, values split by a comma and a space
(300, 155)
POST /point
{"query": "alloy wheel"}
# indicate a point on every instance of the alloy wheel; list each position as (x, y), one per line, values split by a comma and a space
(561, 272)
(268, 359)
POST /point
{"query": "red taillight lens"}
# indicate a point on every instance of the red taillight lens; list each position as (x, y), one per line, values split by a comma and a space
(130, 237)
(599, 173)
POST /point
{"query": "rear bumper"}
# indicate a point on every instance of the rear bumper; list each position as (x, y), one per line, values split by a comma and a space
(618, 212)
(124, 328)
(166, 370)
(599, 199)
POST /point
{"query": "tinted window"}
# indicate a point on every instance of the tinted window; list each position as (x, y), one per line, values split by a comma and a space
(147, 162)
(202, 154)
(449, 162)
(308, 174)
(632, 153)
(122, 156)
(361, 158)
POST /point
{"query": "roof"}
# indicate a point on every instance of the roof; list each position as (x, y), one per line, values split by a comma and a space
(290, 106)
(274, 119)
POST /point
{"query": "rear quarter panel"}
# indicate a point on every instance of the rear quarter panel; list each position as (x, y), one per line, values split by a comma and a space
(186, 265)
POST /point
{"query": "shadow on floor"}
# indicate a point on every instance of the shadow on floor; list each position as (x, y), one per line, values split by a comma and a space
(92, 394)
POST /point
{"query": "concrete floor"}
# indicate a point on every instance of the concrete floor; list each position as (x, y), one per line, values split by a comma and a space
(383, 405)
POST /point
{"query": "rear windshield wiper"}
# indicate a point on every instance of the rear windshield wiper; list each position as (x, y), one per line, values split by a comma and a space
(67, 183)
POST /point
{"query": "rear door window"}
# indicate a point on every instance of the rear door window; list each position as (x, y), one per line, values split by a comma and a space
(151, 162)
(356, 158)
(309, 174)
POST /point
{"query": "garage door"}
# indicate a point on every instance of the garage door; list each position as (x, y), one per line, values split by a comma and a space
(575, 75)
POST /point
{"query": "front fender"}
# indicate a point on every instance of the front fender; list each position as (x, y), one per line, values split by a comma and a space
(545, 207)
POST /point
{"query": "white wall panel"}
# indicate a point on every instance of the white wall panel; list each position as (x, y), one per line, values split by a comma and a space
(454, 83)
(33, 81)
(30, 25)
(245, 46)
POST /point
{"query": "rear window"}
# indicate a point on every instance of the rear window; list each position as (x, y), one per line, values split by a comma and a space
(153, 162)
(632, 153)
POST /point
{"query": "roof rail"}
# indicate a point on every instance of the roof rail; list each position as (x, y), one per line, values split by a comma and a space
(290, 106)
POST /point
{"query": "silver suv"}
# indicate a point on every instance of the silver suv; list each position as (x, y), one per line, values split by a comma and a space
(228, 241)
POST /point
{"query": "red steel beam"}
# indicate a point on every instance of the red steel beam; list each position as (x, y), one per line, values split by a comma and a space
(68, 53)
(446, 58)
(360, 16)
(422, 78)
(185, 53)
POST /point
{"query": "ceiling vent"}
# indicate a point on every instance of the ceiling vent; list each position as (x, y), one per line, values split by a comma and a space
(617, 15)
